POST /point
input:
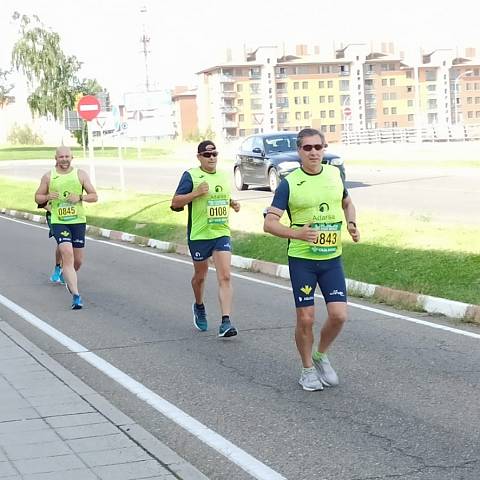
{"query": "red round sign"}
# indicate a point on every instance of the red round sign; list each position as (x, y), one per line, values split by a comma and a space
(347, 111)
(88, 107)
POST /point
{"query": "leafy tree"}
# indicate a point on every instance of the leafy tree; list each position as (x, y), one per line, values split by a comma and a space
(5, 87)
(49, 71)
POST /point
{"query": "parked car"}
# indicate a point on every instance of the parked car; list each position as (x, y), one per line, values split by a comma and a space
(265, 158)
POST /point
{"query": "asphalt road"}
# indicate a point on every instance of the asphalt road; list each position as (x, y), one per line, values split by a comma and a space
(444, 195)
(407, 405)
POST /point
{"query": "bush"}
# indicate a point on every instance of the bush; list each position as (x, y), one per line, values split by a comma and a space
(23, 135)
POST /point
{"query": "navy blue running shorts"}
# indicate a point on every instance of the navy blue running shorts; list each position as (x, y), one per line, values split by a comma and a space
(306, 274)
(200, 250)
(71, 233)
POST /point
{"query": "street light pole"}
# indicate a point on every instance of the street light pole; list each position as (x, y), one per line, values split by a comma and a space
(455, 91)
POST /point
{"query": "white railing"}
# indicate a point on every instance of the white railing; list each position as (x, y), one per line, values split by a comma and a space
(447, 133)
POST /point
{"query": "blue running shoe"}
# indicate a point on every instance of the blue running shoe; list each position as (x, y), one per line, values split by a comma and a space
(56, 276)
(199, 318)
(62, 280)
(227, 329)
(77, 303)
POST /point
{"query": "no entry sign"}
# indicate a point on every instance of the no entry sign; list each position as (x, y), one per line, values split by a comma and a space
(347, 111)
(88, 107)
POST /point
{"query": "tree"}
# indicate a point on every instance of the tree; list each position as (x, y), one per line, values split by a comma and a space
(5, 87)
(49, 71)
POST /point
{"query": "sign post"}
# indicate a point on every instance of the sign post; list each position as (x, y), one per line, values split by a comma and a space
(88, 108)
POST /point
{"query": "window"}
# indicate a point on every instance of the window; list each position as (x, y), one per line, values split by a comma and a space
(477, 100)
(344, 99)
(306, 100)
(331, 128)
(384, 82)
(323, 128)
(392, 82)
(240, 102)
(386, 124)
(393, 110)
(239, 87)
(304, 85)
(298, 115)
(469, 99)
(394, 124)
(369, 84)
(241, 117)
(410, 117)
(470, 114)
(385, 96)
(321, 84)
(477, 114)
(432, 103)
(430, 75)
(409, 89)
(296, 85)
(297, 100)
(321, 99)
(330, 99)
(326, 69)
(283, 102)
(331, 114)
(255, 104)
(409, 74)
(241, 132)
(385, 111)
(306, 115)
(255, 88)
(323, 114)
(393, 95)
(432, 87)
(410, 103)
(344, 85)
(330, 84)
(281, 87)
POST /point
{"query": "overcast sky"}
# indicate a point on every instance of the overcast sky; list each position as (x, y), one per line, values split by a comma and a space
(189, 35)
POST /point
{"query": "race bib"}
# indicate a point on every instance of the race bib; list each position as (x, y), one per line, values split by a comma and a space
(328, 238)
(217, 211)
(66, 212)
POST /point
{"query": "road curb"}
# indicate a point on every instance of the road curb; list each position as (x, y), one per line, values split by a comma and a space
(409, 300)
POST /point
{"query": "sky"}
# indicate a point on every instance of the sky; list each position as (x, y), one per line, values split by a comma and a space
(187, 36)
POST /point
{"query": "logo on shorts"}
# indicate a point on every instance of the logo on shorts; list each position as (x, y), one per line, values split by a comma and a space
(197, 254)
(65, 233)
(323, 207)
(337, 292)
(306, 289)
(78, 240)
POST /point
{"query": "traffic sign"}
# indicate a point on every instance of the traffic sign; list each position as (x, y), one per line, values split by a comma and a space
(347, 111)
(124, 125)
(88, 107)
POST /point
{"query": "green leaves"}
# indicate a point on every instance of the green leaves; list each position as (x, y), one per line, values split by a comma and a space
(51, 74)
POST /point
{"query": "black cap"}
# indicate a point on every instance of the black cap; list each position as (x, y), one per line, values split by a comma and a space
(202, 146)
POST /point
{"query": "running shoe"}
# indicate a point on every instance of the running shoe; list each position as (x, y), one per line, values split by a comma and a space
(309, 380)
(326, 373)
(56, 276)
(227, 329)
(77, 303)
(199, 318)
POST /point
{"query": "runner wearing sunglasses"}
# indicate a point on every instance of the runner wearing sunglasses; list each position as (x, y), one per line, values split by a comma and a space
(317, 204)
(207, 194)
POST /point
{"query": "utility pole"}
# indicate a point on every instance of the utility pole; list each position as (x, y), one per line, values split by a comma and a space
(145, 40)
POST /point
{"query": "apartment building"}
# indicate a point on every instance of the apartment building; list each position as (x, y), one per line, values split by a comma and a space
(185, 121)
(354, 89)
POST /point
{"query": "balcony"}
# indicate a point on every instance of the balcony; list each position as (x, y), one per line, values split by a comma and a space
(226, 79)
(345, 73)
(228, 94)
(228, 109)
(282, 105)
(229, 124)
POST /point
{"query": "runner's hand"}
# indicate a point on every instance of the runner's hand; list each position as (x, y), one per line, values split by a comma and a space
(235, 205)
(202, 189)
(306, 233)
(354, 232)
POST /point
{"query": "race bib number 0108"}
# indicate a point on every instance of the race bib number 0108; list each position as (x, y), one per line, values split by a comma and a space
(217, 211)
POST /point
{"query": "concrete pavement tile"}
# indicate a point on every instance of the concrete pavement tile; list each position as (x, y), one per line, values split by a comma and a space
(3, 456)
(130, 471)
(13, 400)
(21, 380)
(16, 414)
(11, 352)
(6, 468)
(37, 450)
(75, 420)
(84, 431)
(27, 438)
(40, 400)
(52, 391)
(96, 444)
(112, 457)
(55, 409)
(82, 474)
(23, 426)
(48, 464)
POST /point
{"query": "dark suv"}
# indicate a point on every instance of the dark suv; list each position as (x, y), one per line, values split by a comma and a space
(265, 158)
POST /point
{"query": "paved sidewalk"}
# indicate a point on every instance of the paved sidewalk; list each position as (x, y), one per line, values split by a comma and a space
(54, 427)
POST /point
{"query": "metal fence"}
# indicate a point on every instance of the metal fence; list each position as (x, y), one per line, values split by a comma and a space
(447, 133)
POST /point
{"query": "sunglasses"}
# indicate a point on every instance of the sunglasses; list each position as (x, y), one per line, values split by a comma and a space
(309, 148)
(209, 154)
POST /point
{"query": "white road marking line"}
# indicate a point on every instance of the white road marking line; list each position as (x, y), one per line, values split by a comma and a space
(283, 287)
(245, 461)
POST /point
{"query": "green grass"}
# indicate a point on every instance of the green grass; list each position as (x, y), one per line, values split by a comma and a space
(406, 253)
(159, 152)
